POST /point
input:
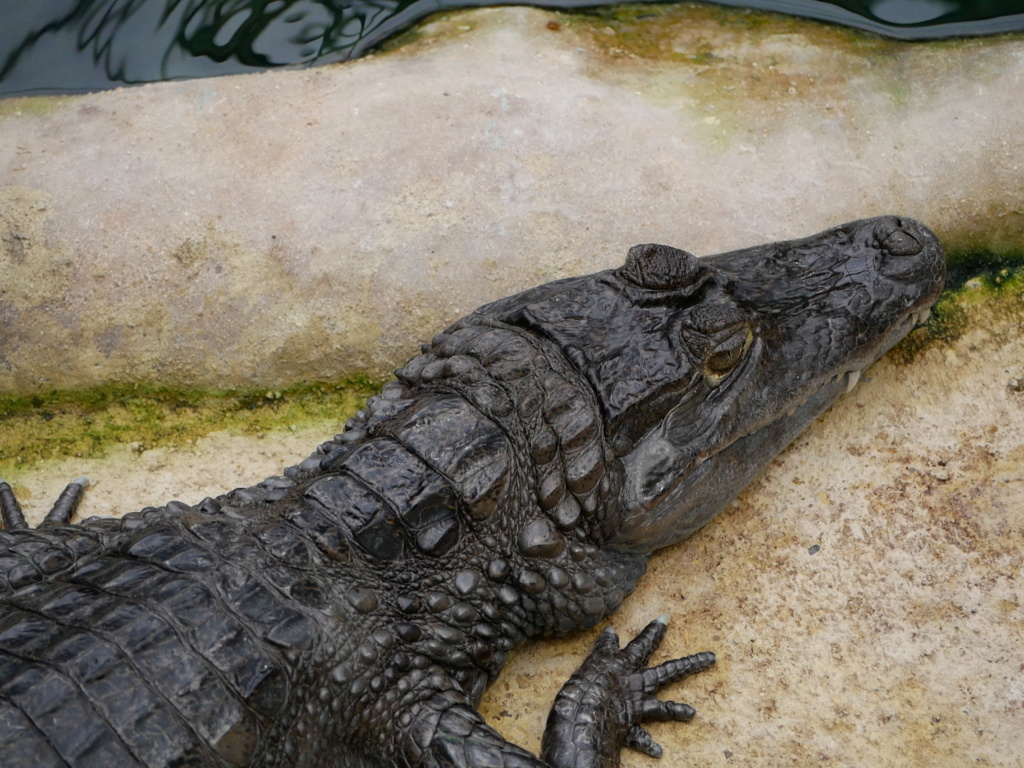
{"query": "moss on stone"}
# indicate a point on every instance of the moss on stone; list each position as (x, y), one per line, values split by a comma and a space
(981, 268)
(654, 32)
(87, 423)
(737, 72)
(441, 25)
(31, 106)
(980, 286)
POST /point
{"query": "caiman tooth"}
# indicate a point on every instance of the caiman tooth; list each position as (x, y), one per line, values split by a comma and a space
(854, 378)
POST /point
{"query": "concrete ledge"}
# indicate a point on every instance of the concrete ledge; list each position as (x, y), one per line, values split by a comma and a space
(267, 229)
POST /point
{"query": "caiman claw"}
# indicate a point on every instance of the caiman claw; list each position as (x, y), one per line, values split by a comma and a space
(603, 705)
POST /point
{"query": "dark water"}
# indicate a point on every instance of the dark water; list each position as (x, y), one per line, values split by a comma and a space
(70, 46)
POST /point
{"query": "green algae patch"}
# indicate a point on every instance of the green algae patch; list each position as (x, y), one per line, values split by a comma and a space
(88, 423)
(443, 26)
(730, 72)
(31, 106)
(739, 73)
(707, 35)
(673, 32)
(982, 288)
(996, 273)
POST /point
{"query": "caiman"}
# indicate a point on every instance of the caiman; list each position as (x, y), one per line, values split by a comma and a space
(511, 482)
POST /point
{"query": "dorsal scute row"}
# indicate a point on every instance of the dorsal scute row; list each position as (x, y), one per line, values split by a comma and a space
(525, 384)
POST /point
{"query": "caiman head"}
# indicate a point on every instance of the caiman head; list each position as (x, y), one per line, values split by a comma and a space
(705, 369)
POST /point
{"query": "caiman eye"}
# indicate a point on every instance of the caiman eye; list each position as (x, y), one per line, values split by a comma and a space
(727, 353)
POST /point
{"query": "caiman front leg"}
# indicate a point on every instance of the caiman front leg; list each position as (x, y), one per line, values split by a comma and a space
(598, 711)
(603, 705)
(29, 554)
(59, 514)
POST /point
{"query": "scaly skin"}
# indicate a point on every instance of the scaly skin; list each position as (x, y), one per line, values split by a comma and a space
(511, 482)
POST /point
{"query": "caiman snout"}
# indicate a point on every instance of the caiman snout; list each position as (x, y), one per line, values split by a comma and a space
(911, 253)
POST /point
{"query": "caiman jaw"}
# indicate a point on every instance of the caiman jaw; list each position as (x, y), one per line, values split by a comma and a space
(824, 309)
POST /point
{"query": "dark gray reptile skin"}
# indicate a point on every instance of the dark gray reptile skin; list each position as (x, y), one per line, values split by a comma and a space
(511, 482)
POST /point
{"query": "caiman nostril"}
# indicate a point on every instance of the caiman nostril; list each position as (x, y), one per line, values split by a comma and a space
(902, 243)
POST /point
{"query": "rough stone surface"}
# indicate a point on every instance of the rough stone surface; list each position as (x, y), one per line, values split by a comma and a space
(306, 225)
(864, 596)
